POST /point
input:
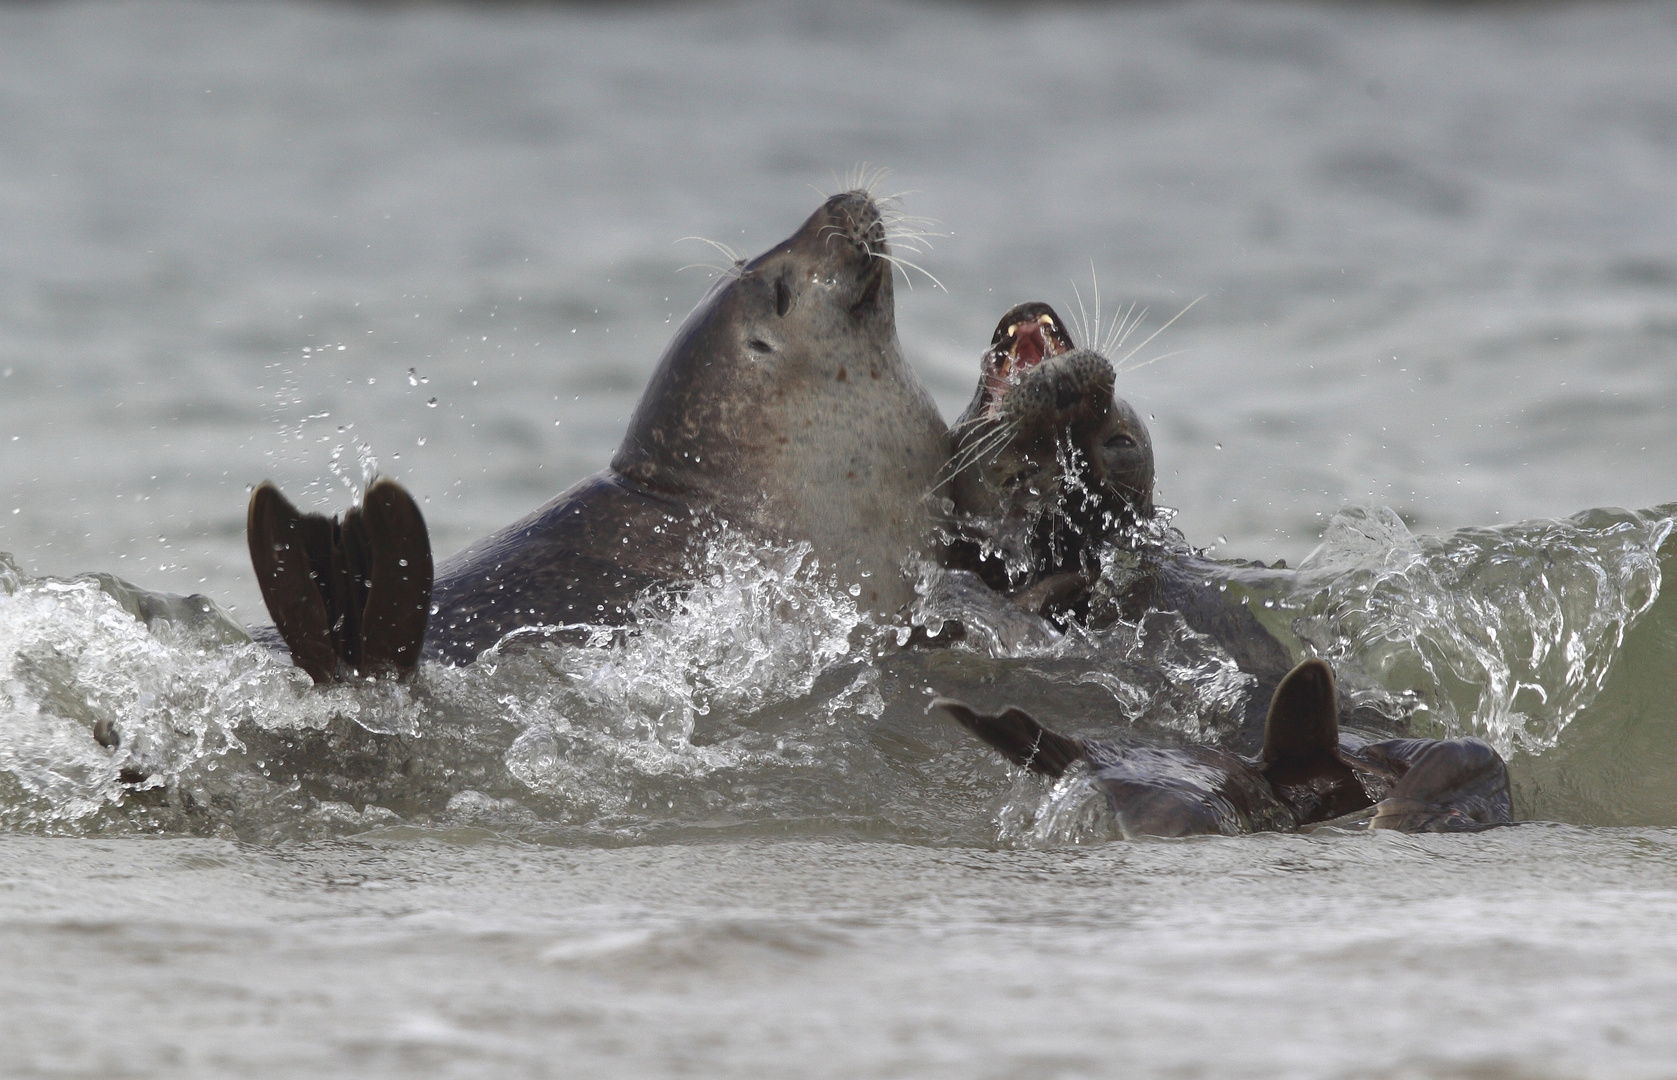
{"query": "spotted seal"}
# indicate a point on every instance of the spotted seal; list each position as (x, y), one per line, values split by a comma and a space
(782, 410)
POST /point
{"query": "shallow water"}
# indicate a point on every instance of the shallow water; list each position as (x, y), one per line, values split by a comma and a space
(1521, 953)
(302, 241)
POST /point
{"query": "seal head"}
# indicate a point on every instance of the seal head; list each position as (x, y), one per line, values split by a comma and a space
(1048, 462)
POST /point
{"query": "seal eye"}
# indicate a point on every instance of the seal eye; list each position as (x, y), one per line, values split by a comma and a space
(782, 297)
(757, 344)
(1121, 441)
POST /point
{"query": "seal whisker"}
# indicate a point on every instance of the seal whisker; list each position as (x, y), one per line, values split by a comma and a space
(725, 271)
(1096, 282)
(736, 263)
(975, 421)
(990, 430)
(915, 244)
(1128, 320)
(961, 460)
(893, 213)
(902, 231)
(1125, 358)
(1145, 363)
(864, 177)
(971, 453)
(729, 253)
(1082, 312)
(902, 263)
(896, 197)
(982, 447)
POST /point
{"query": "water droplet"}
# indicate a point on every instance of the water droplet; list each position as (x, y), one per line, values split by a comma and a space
(1219, 446)
(431, 404)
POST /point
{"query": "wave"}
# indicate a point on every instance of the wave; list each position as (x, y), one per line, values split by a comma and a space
(768, 704)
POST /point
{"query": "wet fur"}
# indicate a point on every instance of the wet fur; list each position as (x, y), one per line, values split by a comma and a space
(1306, 773)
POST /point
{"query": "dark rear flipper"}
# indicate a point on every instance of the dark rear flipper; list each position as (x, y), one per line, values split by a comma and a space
(1018, 737)
(1301, 757)
(349, 597)
(1303, 721)
(1455, 785)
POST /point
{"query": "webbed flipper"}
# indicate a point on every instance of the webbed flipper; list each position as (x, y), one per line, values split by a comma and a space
(1303, 721)
(1017, 736)
(289, 551)
(1301, 757)
(399, 597)
(349, 597)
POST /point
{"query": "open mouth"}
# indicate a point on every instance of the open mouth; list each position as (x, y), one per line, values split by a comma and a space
(1026, 336)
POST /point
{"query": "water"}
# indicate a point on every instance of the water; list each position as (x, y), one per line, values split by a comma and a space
(302, 242)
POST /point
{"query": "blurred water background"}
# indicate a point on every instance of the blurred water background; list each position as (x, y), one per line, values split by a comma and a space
(1435, 248)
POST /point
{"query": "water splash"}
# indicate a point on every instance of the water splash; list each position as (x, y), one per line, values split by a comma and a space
(1070, 811)
(1507, 633)
(590, 731)
(173, 677)
(763, 699)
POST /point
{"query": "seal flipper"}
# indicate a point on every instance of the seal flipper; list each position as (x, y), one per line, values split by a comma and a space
(350, 595)
(1303, 721)
(1017, 736)
(287, 552)
(398, 603)
(1301, 757)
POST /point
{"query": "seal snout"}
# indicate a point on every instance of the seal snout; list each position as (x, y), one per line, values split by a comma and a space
(855, 217)
(1070, 389)
(1026, 336)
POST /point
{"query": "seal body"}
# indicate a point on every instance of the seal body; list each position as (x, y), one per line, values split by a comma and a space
(782, 410)
(1308, 772)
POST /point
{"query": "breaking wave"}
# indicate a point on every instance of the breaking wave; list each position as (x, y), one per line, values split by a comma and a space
(764, 702)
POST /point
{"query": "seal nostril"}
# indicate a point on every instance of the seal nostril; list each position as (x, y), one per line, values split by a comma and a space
(757, 344)
(782, 297)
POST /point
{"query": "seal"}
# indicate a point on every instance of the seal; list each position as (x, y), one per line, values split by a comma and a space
(1052, 484)
(1053, 496)
(782, 411)
(1048, 462)
(1308, 772)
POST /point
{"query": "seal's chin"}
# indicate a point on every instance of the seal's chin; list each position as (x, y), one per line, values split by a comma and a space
(1026, 336)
